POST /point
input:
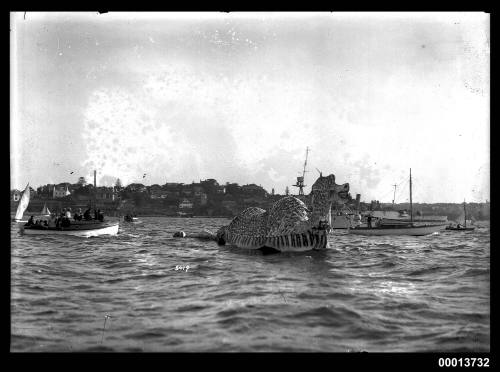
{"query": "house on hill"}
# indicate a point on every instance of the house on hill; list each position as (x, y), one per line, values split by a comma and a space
(186, 204)
(60, 191)
(105, 193)
(136, 187)
(172, 189)
(200, 198)
(254, 190)
(157, 192)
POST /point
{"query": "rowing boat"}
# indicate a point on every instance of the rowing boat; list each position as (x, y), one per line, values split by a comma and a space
(77, 228)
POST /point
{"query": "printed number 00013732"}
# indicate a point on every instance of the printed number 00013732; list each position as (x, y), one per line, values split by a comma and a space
(464, 362)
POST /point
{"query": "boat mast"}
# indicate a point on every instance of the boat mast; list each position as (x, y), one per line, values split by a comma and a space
(465, 216)
(411, 203)
(95, 189)
(394, 197)
(305, 163)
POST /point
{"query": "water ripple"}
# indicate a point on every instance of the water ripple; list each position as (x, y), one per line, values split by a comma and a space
(132, 292)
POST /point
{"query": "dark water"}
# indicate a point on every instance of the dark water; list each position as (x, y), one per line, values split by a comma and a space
(361, 294)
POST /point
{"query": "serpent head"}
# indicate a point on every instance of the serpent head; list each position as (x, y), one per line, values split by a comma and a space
(323, 193)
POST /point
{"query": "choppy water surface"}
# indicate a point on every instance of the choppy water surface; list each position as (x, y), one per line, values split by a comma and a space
(361, 294)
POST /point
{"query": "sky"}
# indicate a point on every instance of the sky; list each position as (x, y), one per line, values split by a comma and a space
(182, 97)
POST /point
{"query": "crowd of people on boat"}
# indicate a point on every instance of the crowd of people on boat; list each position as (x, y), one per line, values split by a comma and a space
(64, 218)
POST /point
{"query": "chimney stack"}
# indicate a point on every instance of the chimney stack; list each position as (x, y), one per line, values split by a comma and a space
(358, 200)
(95, 175)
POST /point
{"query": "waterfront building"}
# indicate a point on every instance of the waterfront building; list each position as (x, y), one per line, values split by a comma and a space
(186, 204)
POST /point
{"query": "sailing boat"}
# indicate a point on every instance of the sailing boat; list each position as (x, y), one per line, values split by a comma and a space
(23, 204)
(464, 227)
(84, 228)
(45, 211)
(398, 227)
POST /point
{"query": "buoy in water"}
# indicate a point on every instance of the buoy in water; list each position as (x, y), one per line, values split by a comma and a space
(179, 234)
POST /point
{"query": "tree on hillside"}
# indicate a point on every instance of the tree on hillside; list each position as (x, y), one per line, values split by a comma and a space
(118, 183)
(140, 199)
(81, 181)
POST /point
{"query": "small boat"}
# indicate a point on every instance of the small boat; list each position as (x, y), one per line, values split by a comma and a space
(459, 227)
(76, 228)
(84, 228)
(399, 227)
(129, 218)
(23, 204)
(45, 211)
(408, 229)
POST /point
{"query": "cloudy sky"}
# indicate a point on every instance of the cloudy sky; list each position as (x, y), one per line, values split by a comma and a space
(239, 96)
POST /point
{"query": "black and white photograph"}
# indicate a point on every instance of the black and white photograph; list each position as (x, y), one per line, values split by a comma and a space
(263, 182)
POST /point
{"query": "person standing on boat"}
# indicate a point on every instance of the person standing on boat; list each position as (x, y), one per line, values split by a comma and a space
(31, 221)
(369, 220)
(78, 215)
(357, 220)
(86, 215)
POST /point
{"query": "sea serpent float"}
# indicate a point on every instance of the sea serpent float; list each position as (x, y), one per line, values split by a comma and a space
(289, 226)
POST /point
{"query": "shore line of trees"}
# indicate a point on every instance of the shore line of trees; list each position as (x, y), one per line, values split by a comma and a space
(205, 198)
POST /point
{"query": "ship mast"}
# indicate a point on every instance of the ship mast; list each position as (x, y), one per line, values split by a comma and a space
(411, 202)
(95, 189)
(300, 179)
(394, 197)
(465, 216)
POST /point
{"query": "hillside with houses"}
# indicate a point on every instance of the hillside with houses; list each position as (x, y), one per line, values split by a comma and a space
(203, 198)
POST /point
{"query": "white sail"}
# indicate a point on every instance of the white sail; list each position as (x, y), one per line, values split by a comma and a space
(45, 210)
(23, 203)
